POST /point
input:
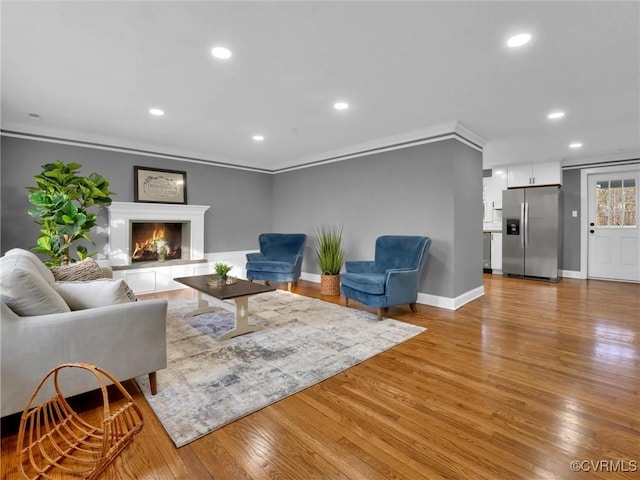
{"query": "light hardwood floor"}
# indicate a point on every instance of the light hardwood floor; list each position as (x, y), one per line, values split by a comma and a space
(515, 385)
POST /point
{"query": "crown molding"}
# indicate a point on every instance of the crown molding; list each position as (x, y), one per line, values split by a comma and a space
(146, 150)
(437, 133)
(605, 159)
(468, 134)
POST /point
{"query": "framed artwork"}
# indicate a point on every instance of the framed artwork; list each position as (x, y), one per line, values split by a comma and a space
(155, 185)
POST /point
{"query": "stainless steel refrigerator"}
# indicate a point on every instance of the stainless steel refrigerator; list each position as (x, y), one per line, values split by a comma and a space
(531, 232)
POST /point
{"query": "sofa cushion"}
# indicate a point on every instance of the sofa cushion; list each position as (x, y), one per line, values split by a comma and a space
(371, 283)
(270, 266)
(33, 258)
(93, 293)
(24, 289)
(87, 269)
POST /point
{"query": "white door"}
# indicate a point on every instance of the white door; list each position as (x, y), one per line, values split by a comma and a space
(613, 238)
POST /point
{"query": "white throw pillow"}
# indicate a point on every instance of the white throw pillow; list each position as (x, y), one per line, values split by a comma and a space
(33, 258)
(93, 293)
(24, 289)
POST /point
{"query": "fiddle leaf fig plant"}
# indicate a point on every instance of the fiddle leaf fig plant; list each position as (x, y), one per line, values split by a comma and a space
(60, 203)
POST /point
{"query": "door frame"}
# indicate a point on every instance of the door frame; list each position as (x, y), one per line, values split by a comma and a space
(584, 208)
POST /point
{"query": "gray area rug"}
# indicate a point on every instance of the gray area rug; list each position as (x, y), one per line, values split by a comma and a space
(209, 383)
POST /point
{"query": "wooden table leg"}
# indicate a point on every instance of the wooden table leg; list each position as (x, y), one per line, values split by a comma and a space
(242, 320)
(203, 307)
(241, 311)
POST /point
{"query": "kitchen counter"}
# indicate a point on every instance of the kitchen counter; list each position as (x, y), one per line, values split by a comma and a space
(492, 227)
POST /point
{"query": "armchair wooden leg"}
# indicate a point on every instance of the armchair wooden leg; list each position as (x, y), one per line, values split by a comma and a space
(413, 307)
(289, 286)
(346, 301)
(382, 312)
(266, 282)
(153, 383)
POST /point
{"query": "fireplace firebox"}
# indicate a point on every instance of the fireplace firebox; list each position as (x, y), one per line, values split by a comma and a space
(158, 241)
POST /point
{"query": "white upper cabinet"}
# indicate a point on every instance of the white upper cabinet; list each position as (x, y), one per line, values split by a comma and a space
(486, 200)
(519, 176)
(498, 184)
(528, 175)
(492, 192)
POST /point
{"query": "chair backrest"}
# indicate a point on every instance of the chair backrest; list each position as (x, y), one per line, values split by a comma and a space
(401, 251)
(282, 245)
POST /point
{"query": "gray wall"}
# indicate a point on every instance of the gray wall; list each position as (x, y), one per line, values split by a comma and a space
(433, 189)
(240, 200)
(570, 225)
(468, 216)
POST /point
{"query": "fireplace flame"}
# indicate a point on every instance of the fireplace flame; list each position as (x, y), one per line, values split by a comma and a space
(153, 243)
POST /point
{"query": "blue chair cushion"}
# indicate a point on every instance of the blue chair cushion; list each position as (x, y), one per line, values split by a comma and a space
(271, 266)
(372, 283)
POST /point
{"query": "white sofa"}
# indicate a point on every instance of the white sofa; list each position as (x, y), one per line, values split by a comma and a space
(47, 323)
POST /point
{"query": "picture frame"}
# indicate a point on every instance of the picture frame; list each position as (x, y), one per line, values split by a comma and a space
(158, 185)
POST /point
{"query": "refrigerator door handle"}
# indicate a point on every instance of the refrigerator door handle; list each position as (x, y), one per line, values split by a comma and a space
(526, 224)
(522, 224)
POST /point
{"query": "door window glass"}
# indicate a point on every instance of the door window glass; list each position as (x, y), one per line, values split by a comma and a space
(616, 203)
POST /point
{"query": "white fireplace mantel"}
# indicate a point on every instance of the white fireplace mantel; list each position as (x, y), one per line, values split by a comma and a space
(121, 214)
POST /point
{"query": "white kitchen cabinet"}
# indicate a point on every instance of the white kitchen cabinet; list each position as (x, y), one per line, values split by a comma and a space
(498, 184)
(537, 174)
(486, 199)
(496, 252)
(492, 194)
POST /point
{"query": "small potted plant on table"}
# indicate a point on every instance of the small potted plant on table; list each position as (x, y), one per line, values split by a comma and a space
(222, 269)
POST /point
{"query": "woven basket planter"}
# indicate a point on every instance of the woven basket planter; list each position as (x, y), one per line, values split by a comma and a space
(330, 284)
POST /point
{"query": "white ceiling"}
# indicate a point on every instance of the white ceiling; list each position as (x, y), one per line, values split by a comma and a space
(91, 70)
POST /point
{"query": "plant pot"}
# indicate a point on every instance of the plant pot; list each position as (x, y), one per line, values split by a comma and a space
(330, 284)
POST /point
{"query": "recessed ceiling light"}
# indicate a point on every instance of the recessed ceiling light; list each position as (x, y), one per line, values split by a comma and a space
(341, 105)
(221, 52)
(519, 40)
(555, 115)
(258, 138)
(156, 111)
(575, 145)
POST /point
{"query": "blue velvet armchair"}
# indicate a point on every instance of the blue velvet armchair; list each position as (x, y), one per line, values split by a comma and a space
(279, 259)
(392, 278)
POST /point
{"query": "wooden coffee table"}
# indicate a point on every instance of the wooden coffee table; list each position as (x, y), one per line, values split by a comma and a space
(239, 292)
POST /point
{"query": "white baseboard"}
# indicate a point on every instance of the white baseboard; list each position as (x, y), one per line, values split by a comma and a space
(426, 298)
(311, 277)
(572, 274)
(238, 260)
(448, 302)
